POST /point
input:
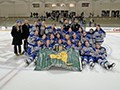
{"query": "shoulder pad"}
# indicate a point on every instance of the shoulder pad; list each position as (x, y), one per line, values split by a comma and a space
(49, 27)
(31, 26)
(31, 35)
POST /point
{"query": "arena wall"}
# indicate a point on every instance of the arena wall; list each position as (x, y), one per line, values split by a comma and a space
(22, 8)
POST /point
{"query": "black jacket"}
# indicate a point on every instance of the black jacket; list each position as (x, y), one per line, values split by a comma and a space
(25, 29)
(66, 27)
(75, 27)
(17, 35)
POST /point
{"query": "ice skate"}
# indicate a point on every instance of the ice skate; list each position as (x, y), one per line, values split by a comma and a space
(106, 66)
(26, 61)
(111, 66)
(92, 65)
(83, 64)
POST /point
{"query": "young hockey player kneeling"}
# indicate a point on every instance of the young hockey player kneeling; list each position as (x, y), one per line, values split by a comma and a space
(34, 54)
(101, 55)
(88, 53)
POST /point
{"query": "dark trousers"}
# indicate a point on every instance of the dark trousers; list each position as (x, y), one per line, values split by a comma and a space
(15, 49)
(25, 45)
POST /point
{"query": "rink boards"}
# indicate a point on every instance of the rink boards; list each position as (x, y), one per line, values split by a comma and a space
(106, 29)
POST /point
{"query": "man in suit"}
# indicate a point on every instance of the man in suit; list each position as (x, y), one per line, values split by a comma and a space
(25, 28)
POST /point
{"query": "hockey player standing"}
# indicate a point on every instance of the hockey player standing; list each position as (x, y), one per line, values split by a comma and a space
(91, 34)
(99, 35)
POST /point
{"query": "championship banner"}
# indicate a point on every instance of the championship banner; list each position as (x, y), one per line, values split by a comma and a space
(68, 59)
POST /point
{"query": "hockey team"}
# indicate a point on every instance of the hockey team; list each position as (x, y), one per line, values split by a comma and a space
(89, 44)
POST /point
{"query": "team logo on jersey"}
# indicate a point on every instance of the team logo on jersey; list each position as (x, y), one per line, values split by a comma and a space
(42, 27)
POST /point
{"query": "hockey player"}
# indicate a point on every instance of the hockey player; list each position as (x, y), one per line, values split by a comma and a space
(52, 39)
(91, 33)
(32, 40)
(58, 30)
(79, 47)
(74, 39)
(70, 32)
(88, 55)
(69, 45)
(59, 43)
(34, 54)
(61, 31)
(80, 32)
(99, 35)
(58, 36)
(54, 29)
(49, 31)
(48, 45)
(64, 40)
(101, 54)
(44, 38)
(85, 38)
(34, 27)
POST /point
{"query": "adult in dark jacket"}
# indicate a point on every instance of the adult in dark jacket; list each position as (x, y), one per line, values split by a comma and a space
(17, 37)
(75, 26)
(25, 28)
(66, 25)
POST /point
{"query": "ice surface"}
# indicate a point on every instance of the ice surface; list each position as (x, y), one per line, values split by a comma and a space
(16, 77)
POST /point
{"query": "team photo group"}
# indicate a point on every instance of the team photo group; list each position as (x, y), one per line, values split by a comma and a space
(39, 36)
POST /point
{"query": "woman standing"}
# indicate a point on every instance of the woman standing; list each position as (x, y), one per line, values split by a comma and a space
(17, 37)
